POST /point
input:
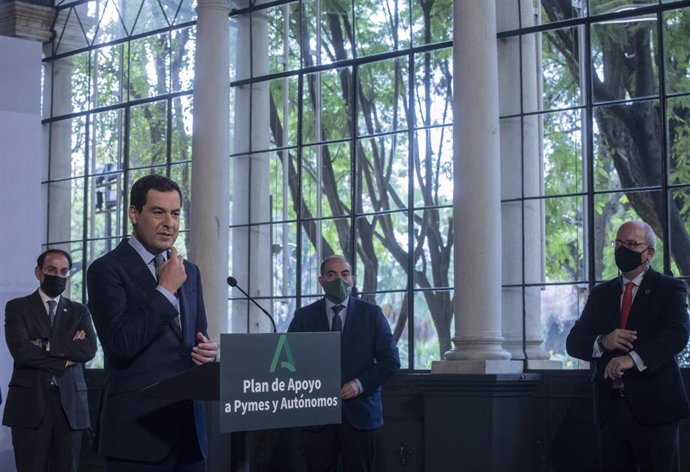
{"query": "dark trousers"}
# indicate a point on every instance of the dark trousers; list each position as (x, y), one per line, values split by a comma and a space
(184, 456)
(52, 447)
(627, 445)
(357, 450)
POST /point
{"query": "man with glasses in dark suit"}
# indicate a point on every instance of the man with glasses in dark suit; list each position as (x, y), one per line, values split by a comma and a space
(631, 329)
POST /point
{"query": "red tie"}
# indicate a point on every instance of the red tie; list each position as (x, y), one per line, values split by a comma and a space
(627, 303)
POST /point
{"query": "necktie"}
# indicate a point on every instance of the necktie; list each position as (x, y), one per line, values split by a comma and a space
(627, 303)
(337, 323)
(158, 262)
(51, 311)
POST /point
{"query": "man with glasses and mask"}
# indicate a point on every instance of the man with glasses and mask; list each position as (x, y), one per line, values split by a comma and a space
(631, 329)
(49, 337)
(369, 357)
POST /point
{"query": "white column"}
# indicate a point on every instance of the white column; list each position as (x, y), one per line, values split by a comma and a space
(251, 246)
(476, 200)
(210, 150)
(522, 176)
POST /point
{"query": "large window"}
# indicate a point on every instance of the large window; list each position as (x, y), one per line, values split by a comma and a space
(118, 105)
(612, 107)
(341, 142)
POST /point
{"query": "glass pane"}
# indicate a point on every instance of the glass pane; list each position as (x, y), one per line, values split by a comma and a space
(284, 111)
(561, 306)
(627, 146)
(110, 24)
(108, 145)
(430, 22)
(150, 17)
(284, 185)
(382, 26)
(383, 173)
(611, 211)
(395, 308)
(678, 112)
(327, 113)
(182, 174)
(379, 239)
(284, 253)
(183, 48)
(563, 148)
(182, 121)
(283, 37)
(625, 59)
(679, 232)
(328, 27)
(565, 240)
(555, 10)
(68, 31)
(71, 85)
(148, 67)
(598, 7)
(185, 12)
(382, 97)
(433, 248)
(433, 179)
(676, 60)
(433, 323)
(326, 180)
(434, 88)
(561, 79)
(104, 206)
(67, 148)
(148, 134)
(108, 75)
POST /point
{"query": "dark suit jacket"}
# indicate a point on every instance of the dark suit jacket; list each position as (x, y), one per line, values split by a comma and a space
(142, 345)
(659, 315)
(26, 320)
(368, 353)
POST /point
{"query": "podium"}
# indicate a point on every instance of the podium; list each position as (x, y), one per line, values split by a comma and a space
(198, 383)
(264, 381)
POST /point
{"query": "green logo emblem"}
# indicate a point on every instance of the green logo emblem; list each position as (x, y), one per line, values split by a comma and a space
(288, 363)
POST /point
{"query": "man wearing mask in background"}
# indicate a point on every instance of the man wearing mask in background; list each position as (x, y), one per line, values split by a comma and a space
(369, 357)
(49, 337)
(631, 329)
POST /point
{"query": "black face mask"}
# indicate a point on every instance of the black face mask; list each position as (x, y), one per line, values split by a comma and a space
(628, 260)
(53, 285)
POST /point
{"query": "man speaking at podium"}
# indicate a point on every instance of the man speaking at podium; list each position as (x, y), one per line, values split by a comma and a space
(148, 309)
(369, 357)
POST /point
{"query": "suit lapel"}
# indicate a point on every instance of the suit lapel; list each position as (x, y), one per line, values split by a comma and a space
(140, 271)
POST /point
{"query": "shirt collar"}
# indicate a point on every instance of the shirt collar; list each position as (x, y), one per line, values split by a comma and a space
(144, 253)
(45, 297)
(330, 304)
(637, 280)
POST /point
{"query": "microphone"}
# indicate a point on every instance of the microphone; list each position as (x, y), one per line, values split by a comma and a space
(232, 281)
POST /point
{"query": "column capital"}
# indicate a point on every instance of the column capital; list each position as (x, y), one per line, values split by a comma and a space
(27, 20)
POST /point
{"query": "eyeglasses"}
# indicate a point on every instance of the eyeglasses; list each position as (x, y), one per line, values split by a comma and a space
(630, 244)
(55, 271)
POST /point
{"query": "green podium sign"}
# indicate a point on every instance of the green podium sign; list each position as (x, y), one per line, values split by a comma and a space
(279, 380)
